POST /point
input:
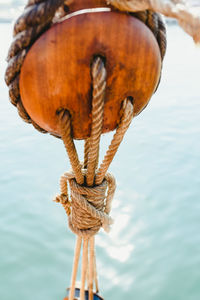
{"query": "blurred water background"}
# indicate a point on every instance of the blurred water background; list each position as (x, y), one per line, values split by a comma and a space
(153, 250)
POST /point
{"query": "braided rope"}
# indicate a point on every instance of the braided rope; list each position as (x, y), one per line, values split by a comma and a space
(37, 17)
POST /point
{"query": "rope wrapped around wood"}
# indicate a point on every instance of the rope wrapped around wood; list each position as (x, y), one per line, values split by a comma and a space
(39, 16)
(36, 19)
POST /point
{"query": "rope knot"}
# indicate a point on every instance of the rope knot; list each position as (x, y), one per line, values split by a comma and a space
(89, 207)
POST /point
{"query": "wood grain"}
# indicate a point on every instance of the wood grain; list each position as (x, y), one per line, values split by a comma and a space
(56, 71)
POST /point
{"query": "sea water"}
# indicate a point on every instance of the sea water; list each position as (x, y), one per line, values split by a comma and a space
(153, 249)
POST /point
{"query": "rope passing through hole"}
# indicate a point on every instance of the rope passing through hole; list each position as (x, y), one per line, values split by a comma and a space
(37, 17)
(91, 188)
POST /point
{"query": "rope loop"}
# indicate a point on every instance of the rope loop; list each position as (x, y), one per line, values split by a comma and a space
(89, 207)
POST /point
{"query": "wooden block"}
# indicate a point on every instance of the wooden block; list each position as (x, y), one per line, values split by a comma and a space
(56, 72)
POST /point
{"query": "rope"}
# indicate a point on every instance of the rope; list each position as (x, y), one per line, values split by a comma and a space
(75, 267)
(187, 16)
(65, 129)
(89, 206)
(84, 268)
(86, 152)
(91, 267)
(116, 141)
(38, 17)
(92, 190)
(99, 86)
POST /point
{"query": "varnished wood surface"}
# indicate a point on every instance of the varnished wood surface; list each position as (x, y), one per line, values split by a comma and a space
(56, 71)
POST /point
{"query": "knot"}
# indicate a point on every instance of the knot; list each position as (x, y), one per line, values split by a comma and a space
(89, 207)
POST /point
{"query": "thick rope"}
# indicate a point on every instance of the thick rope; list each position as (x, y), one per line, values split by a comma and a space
(75, 267)
(117, 139)
(36, 18)
(86, 152)
(80, 205)
(187, 16)
(89, 206)
(84, 268)
(65, 129)
(39, 16)
(99, 86)
(91, 151)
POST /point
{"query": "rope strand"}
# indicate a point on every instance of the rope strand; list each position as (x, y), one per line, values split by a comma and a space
(117, 139)
(75, 267)
(187, 16)
(99, 86)
(65, 129)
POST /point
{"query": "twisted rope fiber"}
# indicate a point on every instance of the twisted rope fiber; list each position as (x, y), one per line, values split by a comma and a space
(87, 215)
(99, 87)
(89, 206)
(187, 16)
(86, 152)
(91, 158)
(125, 122)
(88, 203)
(98, 73)
(66, 133)
(37, 17)
(89, 209)
(92, 214)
